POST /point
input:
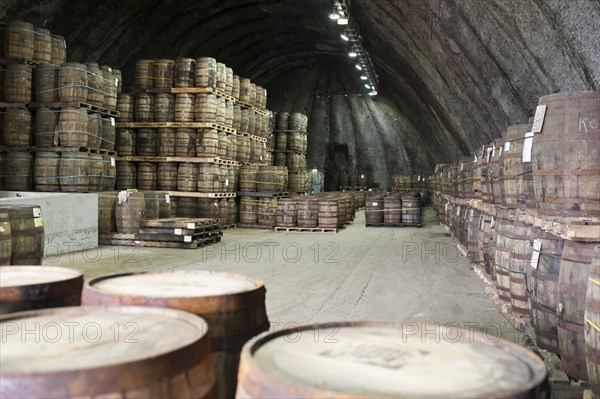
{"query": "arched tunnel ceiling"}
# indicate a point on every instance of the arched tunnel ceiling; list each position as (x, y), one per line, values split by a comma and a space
(452, 73)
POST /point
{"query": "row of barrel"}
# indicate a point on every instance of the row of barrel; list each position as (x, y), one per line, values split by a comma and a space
(212, 328)
(62, 127)
(540, 275)
(86, 82)
(189, 142)
(527, 170)
(21, 235)
(394, 209)
(66, 171)
(23, 41)
(203, 72)
(189, 107)
(352, 178)
(409, 183)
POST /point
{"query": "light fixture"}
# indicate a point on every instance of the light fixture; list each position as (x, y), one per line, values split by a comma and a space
(358, 67)
(343, 36)
(352, 54)
(334, 15)
(373, 93)
(368, 86)
(363, 77)
(342, 21)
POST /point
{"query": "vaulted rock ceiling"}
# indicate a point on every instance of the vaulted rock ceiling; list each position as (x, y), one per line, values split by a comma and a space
(452, 73)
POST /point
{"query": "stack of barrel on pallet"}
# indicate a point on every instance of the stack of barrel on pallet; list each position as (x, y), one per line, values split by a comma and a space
(409, 183)
(526, 208)
(64, 141)
(291, 143)
(393, 210)
(187, 127)
(350, 179)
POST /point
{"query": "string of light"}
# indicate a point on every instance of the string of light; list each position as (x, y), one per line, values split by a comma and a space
(354, 45)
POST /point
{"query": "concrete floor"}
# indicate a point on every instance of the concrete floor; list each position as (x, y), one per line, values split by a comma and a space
(402, 274)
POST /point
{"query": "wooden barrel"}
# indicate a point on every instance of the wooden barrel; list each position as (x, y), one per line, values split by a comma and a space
(282, 121)
(109, 133)
(184, 72)
(27, 234)
(267, 211)
(107, 201)
(251, 129)
(206, 108)
(129, 213)
(222, 149)
(164, 107)
(167, 176)
(95, 131)
(502, 257)
(46, 171)
(96, 86)
(111, 88)
(45, 83)
(249, 178)
(411, 208)
(270, 179)
(392, 209)
(146, 176)
(209, 178)
(18, 173)
(208, 208)
(248, 210)
(235, 88)
(398, 360)
(228, 80)
(374, 210)
(18, 82)
(147, 142)
(19, 38)
(59, 50)
(206, 72)
(243, 149)
(163, 73)
(517, 239)
(168, 353)
(185, 142)
(237, 117)
(307, 211)
(592, 325)
(5, 237)
(232, 217)
(222, 212)
(126, 142)
(231, 147)
(187, 207)
(221, 114)
(109, 173)
(287, 212)
(96, 173)
(233, 306)
(39, 287)
(516, 174)
(152, 201)
(187, 177)
(16, 127)
(244, 120)
(74, 172)
(245, 90)
(472, 235)
(42, 45)
(486, 245)
(44, 127)
(207, 143)
(72, 82)
(543, 290)
(328, 213)
(73, 127)
(294, 121)
(465, 188)
(144, 70)
(568, 186)
(126, 175)
(572, 285)
(144, 107)
(165, 142)
(126, 107)
(296, 181)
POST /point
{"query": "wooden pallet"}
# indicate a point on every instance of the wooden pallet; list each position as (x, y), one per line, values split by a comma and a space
(78, 104)
(229, 227)
(354, 188)
(203, 90)
(200, 195)
(117, 239)
(14, 105)
(290, 152)
(254, 226)
(142, 158)
(306, 229)
(180, 245)
(176, 125)
(179, 223)
(174, 231)
(179, 238)
(262, 195)
(393, 224)
(22, 61)
(290, 131)
(74, 149)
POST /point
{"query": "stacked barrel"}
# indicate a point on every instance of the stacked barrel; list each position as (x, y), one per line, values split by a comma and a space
(291, 144)
(393, 210)
(58, 117)
(535, 200)
(352, 179)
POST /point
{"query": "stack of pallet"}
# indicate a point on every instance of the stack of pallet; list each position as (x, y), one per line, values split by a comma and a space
(64, 141)
(291, 143)
(186, 128)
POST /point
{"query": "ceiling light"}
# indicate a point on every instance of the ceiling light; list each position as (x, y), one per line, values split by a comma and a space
(342, 21)
(334, 16)
(358, 67)
(352, 54)
(363, 77)
(343, 36)
(373, 93)
(368, 86)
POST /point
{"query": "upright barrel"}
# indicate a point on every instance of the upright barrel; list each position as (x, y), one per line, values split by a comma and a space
(18, 173)
(592, 324)
(374, 210)
(307, 212)
(27, 234)
(392, 209)
(72, 82)
(19, 37)
(411, 208)
(248, 212)
(167, 350)
(287, 212)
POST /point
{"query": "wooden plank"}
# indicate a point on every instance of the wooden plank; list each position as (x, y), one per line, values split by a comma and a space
(262, 195)
(181, 245)
(201, 195)
(175, 125)
(254, 226)
(180, 223)
(141, 158)
(77, 104)
(306, 229)
(161, 237)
